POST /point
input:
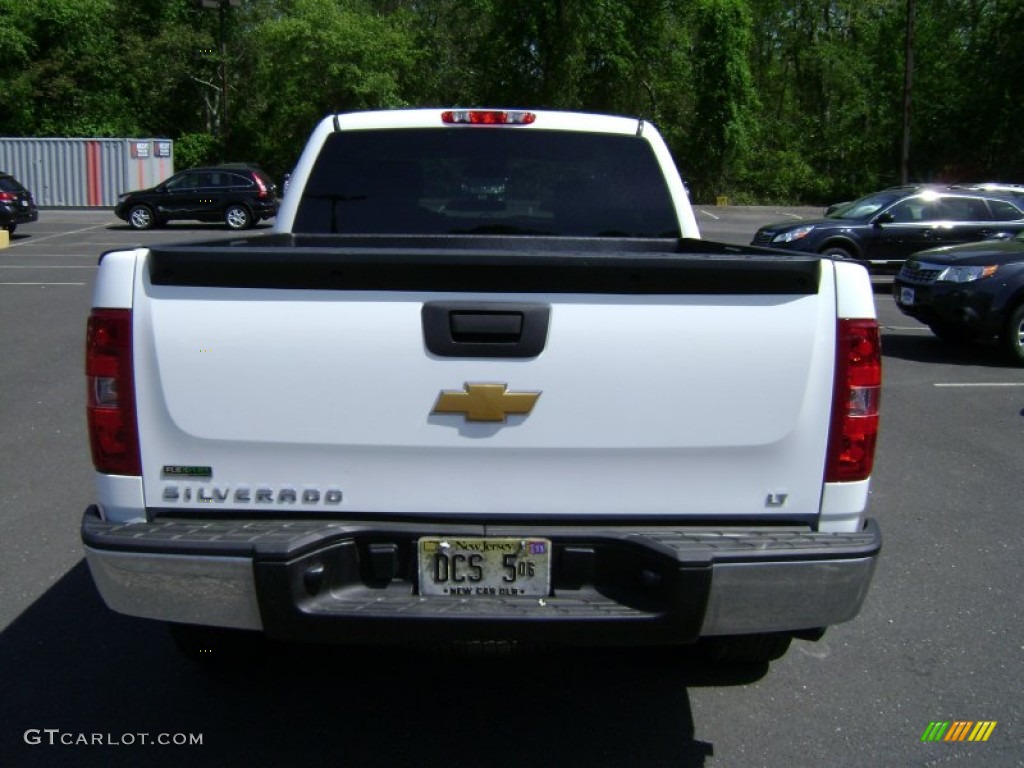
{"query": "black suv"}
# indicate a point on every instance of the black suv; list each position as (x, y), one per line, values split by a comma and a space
(16, 204)
(968, 292)
(238, 195)
(883, 229)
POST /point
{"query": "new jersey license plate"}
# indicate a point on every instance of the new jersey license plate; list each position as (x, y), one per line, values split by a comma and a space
(484, 567)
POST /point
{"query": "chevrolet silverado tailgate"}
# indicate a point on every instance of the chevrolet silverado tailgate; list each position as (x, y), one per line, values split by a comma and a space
(669, 379)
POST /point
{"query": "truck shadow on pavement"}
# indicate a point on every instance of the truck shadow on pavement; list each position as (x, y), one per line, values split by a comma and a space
(70, 664)
(925, 348)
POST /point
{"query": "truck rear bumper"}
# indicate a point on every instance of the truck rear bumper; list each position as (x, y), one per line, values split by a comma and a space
(354, 581)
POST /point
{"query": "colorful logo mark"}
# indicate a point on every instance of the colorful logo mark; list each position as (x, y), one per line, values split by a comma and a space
(958, 730)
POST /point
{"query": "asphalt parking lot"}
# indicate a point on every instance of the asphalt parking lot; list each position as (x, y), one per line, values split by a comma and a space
(941, 637)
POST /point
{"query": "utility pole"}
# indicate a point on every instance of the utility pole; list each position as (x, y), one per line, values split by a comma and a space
(222, 6)
(908, 78)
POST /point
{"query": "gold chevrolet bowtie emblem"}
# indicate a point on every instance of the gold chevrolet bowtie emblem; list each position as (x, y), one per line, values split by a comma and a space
(485, 402)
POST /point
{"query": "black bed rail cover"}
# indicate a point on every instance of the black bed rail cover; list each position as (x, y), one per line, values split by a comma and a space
(485, 264)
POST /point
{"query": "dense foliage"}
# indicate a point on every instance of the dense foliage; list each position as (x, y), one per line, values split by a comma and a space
(761, 100)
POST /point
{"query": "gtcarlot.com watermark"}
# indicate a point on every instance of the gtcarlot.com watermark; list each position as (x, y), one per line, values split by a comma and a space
(55, 737)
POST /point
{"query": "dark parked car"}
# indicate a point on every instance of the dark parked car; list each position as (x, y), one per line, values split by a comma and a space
(883, 229)
(238, 195)
(16, 204)
(968, 292)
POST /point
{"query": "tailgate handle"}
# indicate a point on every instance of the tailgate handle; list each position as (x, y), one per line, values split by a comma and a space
(485, 329)
(468, 326)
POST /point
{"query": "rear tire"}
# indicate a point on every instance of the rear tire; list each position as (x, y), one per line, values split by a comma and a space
(746, 649)
(11, 227)
(238, 217)
(1012, 337)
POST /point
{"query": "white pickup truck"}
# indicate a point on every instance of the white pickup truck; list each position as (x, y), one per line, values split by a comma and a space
(483, 383)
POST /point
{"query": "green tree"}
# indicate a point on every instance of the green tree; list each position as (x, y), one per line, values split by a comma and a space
(17, 52)
(829, 76)
(994, 114)
(60, 84)
(167, 72)
(720, 143)
(310, 58)
(967, 104)
(447, 36)
(808, 108)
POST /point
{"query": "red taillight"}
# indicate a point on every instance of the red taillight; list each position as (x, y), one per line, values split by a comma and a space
(260, 186)
(8, 197)
(110, 404)
(858, 386)
(487, 117)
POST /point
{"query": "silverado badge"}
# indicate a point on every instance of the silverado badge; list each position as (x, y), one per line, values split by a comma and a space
(485, 402)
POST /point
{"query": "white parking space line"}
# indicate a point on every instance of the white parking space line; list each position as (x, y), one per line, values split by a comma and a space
(44, 282)
(36, 239)
(977, 384)
(711, 215)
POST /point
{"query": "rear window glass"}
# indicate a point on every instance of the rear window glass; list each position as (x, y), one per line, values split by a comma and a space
(8, 184)
(1004, 211)
(965, 209)
(486, 181)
